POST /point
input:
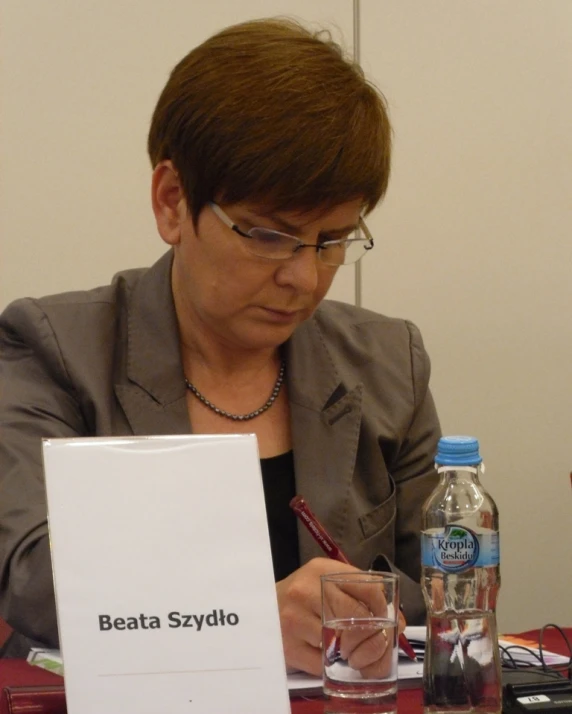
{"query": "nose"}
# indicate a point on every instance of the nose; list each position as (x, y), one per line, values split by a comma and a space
(301, 271)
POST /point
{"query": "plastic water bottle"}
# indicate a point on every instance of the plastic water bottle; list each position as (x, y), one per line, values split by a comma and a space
(460, 581)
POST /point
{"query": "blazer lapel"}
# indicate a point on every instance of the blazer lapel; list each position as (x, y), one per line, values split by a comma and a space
(326, 418)
(152, 388)
(147, 417)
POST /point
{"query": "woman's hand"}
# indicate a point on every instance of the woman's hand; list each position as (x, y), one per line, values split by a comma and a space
(300, 607)
(299, 604)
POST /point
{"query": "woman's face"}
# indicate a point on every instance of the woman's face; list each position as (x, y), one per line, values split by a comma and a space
(239, 299)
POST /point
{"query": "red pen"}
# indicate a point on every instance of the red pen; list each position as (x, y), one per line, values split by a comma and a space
(333, 551)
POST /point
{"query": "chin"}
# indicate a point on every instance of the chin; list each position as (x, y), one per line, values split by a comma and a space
(267, 338)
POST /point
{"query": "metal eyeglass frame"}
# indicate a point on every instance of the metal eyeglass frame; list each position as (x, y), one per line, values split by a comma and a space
(368, 243)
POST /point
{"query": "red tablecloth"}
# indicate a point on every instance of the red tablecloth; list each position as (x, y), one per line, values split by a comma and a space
(20, 673)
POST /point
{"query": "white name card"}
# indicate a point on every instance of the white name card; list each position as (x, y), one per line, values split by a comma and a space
(163, 574)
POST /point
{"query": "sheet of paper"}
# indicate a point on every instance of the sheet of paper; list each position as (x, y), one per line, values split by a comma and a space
(50, 660)
(300, 684)
(519, 650)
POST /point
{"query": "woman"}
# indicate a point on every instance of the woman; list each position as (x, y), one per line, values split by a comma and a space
(267, 148)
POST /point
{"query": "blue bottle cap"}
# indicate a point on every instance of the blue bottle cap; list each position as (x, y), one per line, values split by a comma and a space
(458, 451)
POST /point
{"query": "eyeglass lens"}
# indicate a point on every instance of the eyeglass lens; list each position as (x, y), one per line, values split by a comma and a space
(273, 244)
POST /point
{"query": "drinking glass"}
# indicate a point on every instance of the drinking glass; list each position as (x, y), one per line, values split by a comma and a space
(360, 613)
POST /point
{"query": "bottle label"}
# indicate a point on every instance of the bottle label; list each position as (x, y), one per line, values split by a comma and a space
(455, 548)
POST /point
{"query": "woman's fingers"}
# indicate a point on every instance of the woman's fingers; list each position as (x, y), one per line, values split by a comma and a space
(368, 647)
(365, 632)
(300, 607)
(306, 659)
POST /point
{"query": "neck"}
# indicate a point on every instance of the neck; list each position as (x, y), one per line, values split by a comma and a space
(206, 353)
(226, 363)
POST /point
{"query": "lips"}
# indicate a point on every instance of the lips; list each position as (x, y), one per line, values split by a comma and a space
(282, 315)
(282, 312)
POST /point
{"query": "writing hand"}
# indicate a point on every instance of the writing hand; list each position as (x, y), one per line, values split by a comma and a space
(300, 608)
(368, 650)
(299, 604)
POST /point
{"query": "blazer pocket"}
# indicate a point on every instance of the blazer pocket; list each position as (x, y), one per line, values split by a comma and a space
(381, 517)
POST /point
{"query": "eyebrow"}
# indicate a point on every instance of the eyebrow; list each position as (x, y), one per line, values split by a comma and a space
(291, 228)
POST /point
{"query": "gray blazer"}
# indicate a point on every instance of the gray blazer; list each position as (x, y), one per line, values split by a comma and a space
(107, 362)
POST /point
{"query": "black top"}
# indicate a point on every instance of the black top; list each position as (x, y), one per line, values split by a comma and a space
(279, 489)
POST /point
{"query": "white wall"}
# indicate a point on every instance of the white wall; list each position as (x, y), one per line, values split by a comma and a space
(474, 244)
(473, 241)
(78, 84)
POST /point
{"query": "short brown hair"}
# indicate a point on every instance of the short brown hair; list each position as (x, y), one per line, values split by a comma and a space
(271, 112)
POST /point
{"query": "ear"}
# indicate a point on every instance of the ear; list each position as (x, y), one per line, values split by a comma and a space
(169, 205)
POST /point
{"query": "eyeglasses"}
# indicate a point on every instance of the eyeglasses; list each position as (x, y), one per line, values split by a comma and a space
(268, 243)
